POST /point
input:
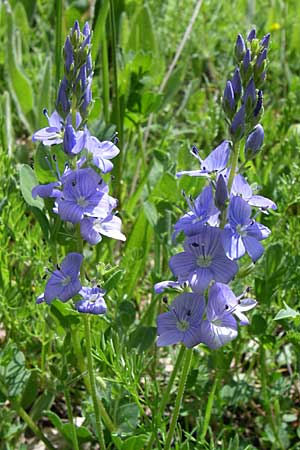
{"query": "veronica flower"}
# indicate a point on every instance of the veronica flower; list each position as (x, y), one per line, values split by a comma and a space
(240, 187)
(216, 161)
(60, 131)
(54, 133)
(84, 193)
(220, 326)
(64, 281)
(168, 284)
(201, 210)
(182, 322)
(92, 228)
(203, 260)
(242, 234)
(92, 301)
(102, 152)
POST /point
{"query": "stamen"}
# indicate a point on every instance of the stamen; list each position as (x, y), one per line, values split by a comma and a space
(203, 250)
(45, 112)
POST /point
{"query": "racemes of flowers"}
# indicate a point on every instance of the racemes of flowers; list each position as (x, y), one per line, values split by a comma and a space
(79, 193)
(220, 225)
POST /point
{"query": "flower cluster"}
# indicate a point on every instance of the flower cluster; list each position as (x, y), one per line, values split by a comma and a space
(219, 227)
(80, 194)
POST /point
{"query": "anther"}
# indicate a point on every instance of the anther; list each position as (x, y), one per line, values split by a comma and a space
(194, 244)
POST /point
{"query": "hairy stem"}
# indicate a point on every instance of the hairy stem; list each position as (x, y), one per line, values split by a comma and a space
(208, 410)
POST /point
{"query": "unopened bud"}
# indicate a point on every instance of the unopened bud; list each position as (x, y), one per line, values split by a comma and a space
(254, 142)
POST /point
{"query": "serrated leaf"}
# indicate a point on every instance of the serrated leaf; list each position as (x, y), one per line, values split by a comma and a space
(27, 182)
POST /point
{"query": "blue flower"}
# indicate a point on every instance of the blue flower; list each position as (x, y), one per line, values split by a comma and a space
(181, 323)
(220, 326)
(64, 281)
(84, 193)
(216, 161)
(101, 152)
(242, 234)
(201, 210)
(240, 187)
(168, 284)
(92, 228)
(203, 260)
(92, 301)
(54, 133)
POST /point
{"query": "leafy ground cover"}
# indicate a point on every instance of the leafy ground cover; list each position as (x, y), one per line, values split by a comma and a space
(244, 395)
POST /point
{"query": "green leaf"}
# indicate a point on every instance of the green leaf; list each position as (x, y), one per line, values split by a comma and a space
(126, 313)
(127, 417)
(258, 325)
(287, 313)
(6, 125)
(27, 182)
(13, 372)
(113, 280)
(151, 213)
(18, 82)
(44, 100)
(135, 442)
(42, 403)
(142, 338)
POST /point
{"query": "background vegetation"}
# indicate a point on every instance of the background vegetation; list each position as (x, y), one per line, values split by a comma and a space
(256, 402)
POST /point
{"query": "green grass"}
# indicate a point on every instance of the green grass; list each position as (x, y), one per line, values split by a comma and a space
(256, 403)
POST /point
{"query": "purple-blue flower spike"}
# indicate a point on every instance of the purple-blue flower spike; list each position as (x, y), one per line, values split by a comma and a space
(229, 105)
(251, 35)
(236, 83)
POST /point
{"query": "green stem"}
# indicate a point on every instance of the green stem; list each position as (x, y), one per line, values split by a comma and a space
(185, 371)
(69, 407)
(167, 391)
(208, 410)
(71, 419)
(99, 430)
(30, 423)
(234, 162)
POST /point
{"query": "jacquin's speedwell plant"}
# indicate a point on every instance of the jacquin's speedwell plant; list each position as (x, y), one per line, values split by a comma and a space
(220, 225)
(77, 193)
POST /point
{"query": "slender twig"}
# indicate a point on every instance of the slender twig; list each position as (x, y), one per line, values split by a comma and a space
(181, 387)
(180, 47)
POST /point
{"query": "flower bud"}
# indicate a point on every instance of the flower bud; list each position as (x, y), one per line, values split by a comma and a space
(228, 100)
(249, 99)
(254, 142)
(63, 102)
(258, 110)
(236, 83)
(221, 195)
(69, 139)
(260, 59)
(240, 48)
(251, 35)
(265, 41)
(237, 128)
(68, 54)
